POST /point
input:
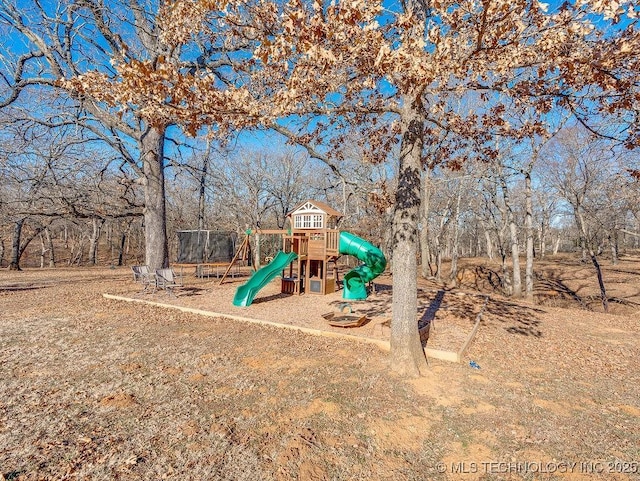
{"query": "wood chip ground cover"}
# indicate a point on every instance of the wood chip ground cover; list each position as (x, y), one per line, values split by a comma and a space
(97, 389)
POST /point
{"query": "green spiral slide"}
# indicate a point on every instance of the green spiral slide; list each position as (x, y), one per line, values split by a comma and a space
(355, 281)
(246, 292)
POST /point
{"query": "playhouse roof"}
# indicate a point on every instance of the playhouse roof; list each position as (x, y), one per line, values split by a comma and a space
(320, 205)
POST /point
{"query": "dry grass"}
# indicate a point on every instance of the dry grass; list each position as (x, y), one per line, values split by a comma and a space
(97, 389)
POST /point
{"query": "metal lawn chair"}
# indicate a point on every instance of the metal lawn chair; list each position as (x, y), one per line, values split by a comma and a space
(143, 275)
(167, 279)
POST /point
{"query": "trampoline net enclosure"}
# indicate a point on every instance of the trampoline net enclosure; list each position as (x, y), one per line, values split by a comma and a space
(205, 246)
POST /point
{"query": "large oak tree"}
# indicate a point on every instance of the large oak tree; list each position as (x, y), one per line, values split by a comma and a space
(84, 51)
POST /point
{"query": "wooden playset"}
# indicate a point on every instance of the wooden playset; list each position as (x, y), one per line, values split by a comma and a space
(306, 263)
(315, 240)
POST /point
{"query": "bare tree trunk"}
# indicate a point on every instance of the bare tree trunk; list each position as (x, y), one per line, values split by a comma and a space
(203, 185)
(52, 254)
(603, 292)
(424, 221)
(407, 354)
(516, 285)
(123, 240)
(515, 256)
(14, 261)
(258, 253)
(475, 243)
(155, 221)
(1, 251)
(72, 245)
(506, 278)
(456, 236)
(594, 259)
(556, 246)
(96, 230)
(20, 244)
(528, 226)
(487, 236)
(388, 238)
(127, 246)
(438, 273)
(345, 197)
(502, 251)
(437, 240)
(77, 249)
(614, 247)
(43, 251)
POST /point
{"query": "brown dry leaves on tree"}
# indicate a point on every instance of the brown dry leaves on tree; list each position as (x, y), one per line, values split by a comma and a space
(345, 57)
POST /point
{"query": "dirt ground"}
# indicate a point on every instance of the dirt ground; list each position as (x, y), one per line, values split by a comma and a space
(451, 313)
(94, 388)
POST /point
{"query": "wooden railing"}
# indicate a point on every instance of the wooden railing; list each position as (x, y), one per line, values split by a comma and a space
(315, 243)
(303, 246)
(333, 237)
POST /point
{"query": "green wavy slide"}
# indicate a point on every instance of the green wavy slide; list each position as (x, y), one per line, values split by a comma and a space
(355, 281)
(246, 292)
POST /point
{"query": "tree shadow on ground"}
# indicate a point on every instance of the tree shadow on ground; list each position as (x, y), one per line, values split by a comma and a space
(514, 318)
(554, 289)
(377, 287)
(429, 314)
(624, 301)
(623, 271)
(484, 276)
(189, 291)
(437, 305)
(21, 288)
(427, 319)
(373, 306)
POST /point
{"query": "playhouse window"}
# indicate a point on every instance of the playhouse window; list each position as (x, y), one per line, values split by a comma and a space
(308, 221)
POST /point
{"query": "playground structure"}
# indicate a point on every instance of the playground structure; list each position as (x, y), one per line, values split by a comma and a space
(307, 262)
